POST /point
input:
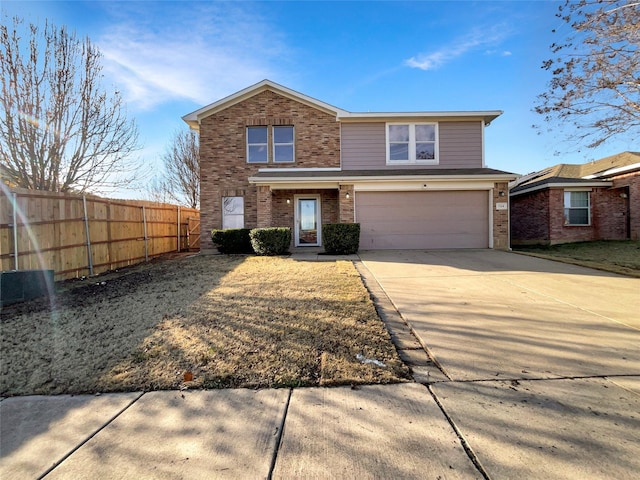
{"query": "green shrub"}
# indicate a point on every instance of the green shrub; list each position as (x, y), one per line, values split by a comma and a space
(271, 241)
(341, 238)
(232, 240)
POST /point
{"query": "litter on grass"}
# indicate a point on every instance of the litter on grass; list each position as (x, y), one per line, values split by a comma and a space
(362, 359)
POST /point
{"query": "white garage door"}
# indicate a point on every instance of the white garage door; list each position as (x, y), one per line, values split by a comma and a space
(416, 220)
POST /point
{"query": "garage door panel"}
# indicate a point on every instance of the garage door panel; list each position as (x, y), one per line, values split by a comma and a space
(415, 220)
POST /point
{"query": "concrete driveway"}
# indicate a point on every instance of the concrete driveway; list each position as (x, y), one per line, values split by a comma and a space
(543, 358)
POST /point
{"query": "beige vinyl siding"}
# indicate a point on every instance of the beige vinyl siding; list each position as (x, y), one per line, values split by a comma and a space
(461, 144)
(363, 146)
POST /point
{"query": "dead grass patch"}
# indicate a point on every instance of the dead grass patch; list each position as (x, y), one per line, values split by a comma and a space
(226, 321)
(621, 257)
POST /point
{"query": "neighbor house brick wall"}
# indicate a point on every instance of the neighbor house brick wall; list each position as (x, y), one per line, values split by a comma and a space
(529, 214)
(630, 183)
(223, 163)
(607, 219)
(500, 217)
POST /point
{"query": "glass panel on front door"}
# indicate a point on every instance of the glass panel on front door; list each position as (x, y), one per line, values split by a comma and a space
(308, 221)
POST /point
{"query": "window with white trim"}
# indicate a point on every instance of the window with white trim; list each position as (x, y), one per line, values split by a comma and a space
(283, 144)
(577, 208)
(409, 143)
(232, 212)
(257, 141)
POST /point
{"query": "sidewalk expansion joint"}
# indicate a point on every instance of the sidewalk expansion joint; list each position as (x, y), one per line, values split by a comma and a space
(545, 379)
(465, 445)
(77, 447)
(280, 432)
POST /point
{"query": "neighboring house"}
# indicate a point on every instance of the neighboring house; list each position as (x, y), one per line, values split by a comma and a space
(271, 156)
(599, 200)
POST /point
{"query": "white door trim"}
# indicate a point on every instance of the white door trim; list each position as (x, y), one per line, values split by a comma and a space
(296, 200)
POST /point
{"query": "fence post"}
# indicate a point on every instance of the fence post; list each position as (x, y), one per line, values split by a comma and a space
(178, 235)
(15, 230)
(86, 229)
(146, 240)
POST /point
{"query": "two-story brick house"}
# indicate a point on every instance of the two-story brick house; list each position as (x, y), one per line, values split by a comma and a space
(270, 156)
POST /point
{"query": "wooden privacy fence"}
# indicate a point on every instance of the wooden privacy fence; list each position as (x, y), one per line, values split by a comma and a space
(78, 235)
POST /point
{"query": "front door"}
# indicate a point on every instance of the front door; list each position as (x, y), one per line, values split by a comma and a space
(307, 221)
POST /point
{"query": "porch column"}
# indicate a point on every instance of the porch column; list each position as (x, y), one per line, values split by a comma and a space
(345, 203)
(264, 206)
(500, 216)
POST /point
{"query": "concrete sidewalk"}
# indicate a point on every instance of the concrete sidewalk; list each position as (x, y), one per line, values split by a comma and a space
(392, 431)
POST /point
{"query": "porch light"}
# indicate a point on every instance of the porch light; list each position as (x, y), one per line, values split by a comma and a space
(288, 201)
(501, 193)
(347, 195)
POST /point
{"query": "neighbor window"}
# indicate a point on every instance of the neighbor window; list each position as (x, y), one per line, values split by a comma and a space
(412, 143)
(232, 212)
(257, 151)
(283, 144)
(576, 208)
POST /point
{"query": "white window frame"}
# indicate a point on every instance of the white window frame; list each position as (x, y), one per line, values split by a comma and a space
(226, 217)
(569, 207)
(293, 143)
(412, 145)
(266, 145)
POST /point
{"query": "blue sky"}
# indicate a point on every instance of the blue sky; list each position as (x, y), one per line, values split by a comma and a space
(171, 58)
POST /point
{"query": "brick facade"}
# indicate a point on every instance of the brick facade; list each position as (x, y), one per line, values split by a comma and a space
(224, 169)
(630, 185)
(538, 217)
(500, 217)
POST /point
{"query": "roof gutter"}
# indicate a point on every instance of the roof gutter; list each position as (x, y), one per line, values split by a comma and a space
(601, 183)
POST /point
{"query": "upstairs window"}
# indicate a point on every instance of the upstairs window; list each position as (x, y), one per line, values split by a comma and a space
(577, 208)
(283, 144)
(257, 150)
(411, 143)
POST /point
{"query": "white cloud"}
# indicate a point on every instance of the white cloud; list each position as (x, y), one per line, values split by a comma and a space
(199, 57)
(478, 38)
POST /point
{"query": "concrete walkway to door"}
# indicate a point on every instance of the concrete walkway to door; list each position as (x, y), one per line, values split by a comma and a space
(543, 358)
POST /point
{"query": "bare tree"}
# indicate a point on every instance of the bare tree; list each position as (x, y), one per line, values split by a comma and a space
(59, 129)
(181, 181)
(595, 89)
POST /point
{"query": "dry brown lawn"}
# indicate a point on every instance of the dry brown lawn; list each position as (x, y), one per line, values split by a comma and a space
(615, 256)
(199, 322)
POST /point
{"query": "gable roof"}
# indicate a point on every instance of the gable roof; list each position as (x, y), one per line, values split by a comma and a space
(596, 173)
(193, 119)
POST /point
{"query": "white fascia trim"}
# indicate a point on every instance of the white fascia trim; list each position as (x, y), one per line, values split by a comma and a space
(394, 179)
(486, 115)
(614, 171)
(294, 169)
(561, 185)
(299, 186)
(422, 186)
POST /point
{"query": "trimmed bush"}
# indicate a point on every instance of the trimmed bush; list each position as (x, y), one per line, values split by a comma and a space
(232, 240)
(341, 238)
(271, 241)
